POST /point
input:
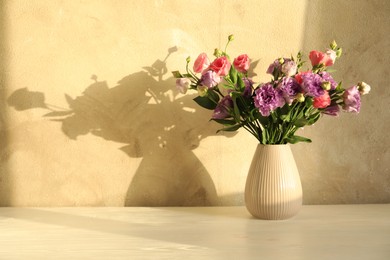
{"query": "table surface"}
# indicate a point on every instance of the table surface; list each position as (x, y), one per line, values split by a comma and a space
(317, 232)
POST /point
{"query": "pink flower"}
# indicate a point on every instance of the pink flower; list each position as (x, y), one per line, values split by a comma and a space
(317, 57)
(241, 63)
(221, 66)
(201, 63)
(322, 101)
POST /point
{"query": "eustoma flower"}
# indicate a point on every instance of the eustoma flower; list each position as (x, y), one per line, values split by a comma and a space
(289, 67)
(328, 78)
(332, 110)
(290, 89)
(201, 63)
(364, 88)
(312, 84)
(327, 59)
(241, 63)
(210, 79)
(351, 99)
(182, 84)
(322, 101)
(223, 108)
(221, 66)
(268, 99)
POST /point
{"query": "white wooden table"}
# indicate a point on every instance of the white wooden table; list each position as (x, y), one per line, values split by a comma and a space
(317, 232)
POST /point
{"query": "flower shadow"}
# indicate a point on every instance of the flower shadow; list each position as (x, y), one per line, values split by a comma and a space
(153, 121)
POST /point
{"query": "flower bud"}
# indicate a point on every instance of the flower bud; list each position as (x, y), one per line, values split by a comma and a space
(217, 53)
(326, 85)
(231, 37)
(281, 60)
(333, 45)
(339, 52)
(300, 97)
(363, 88)
(202, 91)
(188, 60)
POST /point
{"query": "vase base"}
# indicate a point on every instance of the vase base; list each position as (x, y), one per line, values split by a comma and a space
(277, 211)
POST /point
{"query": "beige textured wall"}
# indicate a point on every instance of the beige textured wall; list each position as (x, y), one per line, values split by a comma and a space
(90, 115)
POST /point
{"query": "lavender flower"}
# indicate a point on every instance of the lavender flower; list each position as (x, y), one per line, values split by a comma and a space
(223, 107)
(182, 84)
(268, 99)
(275, 65)
(290, 88)
(312, 84)
(248, 87)
(328, 78)
(332, 110)
(351, 99)
(283, 65)
(210, 79)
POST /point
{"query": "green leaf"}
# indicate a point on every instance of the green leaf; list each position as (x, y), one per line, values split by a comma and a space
(301, 122)
(177, 74)
(240, 84)
(205, 102)
(314, 118)
(234, 96)
(257, 116)
(213, 95)
(264, 137)
(309, 101)
(339, 87)
(233, 74)
(224, 121)
(296, 138)
(230, 128)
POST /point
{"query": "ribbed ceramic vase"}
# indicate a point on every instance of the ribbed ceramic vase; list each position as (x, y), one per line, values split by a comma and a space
(273, 187)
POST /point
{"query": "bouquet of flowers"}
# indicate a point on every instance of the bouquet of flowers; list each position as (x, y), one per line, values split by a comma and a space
(272, 111)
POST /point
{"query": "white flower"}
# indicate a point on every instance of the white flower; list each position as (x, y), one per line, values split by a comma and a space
(332, 55)
(289, 68)
(364, 88)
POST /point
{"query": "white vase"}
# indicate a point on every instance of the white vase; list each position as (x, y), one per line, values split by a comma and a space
(273, 187)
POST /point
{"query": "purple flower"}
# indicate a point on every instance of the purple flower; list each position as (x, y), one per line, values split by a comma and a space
(210, 79)
(268, 99)
(275, 65)
(290, 89)
(332, 110)
(283, 65)
(312, 84)
(248, 87)
(223, 107)
(328, 78)
(351, 99)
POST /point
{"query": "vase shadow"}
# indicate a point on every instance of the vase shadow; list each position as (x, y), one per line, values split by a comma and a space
(146, 114)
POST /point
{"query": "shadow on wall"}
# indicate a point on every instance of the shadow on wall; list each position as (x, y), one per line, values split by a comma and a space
(144, 112)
